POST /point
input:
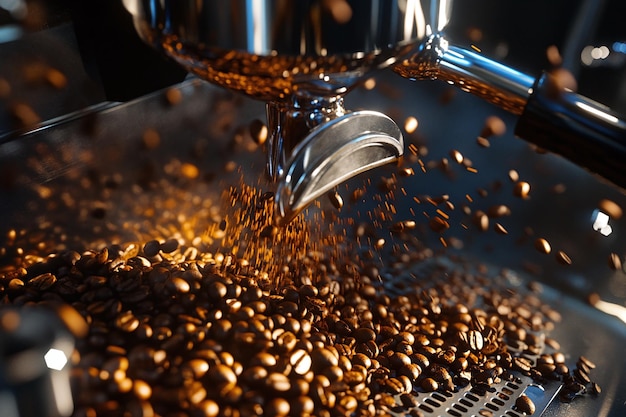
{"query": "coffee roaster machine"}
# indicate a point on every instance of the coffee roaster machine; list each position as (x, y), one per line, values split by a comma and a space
(80, 85)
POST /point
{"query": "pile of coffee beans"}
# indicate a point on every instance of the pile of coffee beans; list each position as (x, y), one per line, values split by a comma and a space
(174, 331)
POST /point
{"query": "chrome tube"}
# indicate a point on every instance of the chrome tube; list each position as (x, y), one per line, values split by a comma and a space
(472, 72)
(553, 118)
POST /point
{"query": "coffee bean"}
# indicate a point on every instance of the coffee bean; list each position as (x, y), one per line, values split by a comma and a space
(323, 358)
(546, 369)
(473, 339)
(581, 376)
(178, 284)
(303, 405)
(498, 210)
(353, 377)
(481, 220)
(543, 246)
(595, 389)
(169, 246)
(278, 382)
(559, 358)
(127, 322)
(151, 248)
(335, 199)
(521, 189)
(255, 375)
(42, 282)
(494, 126)
(300, 361)
(363, 334)
(196, 367)
(258, 131)
(589, 364)
(142, 389)
(522, 364)
(500, 229)
(429, 385)
(563, 258)
(525, 405)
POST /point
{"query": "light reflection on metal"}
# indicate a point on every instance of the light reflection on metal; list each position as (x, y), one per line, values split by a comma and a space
(414, 15)
(612, 309)
(443, 8)
(608, 117)
(601, 223)
(55, 359)
(257, 20)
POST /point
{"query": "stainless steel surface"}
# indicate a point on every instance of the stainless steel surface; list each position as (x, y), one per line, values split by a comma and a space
(333, 153)
(470, 71)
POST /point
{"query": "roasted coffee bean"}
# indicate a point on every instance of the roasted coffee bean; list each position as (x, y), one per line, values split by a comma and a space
(127, 322)
(547, 370)
(303, 405)
(420, 360)
(595, 388)
(169, 246)
(429, 385)
(369, 349)
(521, 189)
(408, 400)
(563, 258)
(255, 375)
(42, 282)
(522, 364)
(151, 248)
(439, 373)
(398, 360)
(333, 373)
(395, 386)
(223, 377)
(445, 357)
(525, 405)
(363, 334)
(559, 357)
(581, 376)
(543, 246)
(142, 389)
(300, 361)
(411, 370)
(335, 199)
(589, 364)
(278, 382)
(562, 369)
(361, 360)
(277, 407)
